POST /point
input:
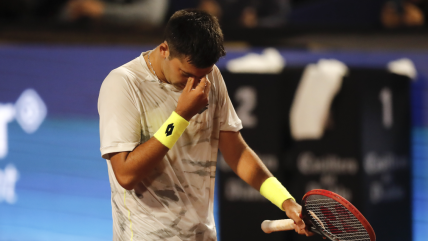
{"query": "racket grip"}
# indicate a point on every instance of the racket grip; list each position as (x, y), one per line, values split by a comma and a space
(269, 226)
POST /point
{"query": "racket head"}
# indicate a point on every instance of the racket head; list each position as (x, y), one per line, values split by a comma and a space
(334, 217)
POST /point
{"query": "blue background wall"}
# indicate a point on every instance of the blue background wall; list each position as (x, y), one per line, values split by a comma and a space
(63, 191)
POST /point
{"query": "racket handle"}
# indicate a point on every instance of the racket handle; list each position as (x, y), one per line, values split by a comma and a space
(269, 226)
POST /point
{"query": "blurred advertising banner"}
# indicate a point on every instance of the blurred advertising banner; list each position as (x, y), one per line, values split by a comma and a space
(350, 135)
(53, 181)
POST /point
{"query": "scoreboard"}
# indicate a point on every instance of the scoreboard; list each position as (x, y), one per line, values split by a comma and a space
(363, 155)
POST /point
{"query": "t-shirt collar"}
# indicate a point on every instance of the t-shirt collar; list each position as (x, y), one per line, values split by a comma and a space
(152, 78)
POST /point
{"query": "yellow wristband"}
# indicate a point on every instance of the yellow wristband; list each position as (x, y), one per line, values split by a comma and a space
(171, 130)
(275, 192)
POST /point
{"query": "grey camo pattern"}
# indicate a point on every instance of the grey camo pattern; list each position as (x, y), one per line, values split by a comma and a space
(174, 201)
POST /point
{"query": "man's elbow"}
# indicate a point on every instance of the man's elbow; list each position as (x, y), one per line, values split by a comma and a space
(126, 182)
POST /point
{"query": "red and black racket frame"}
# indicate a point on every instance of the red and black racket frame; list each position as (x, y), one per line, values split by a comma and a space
(316, 229)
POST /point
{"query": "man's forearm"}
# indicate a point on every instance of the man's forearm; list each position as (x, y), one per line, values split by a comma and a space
(242, 159)
(251, 169)
(131, 167)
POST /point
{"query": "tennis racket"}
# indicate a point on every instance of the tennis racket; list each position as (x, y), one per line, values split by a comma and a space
(329, 215)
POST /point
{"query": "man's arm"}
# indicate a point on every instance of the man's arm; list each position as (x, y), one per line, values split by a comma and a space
(242, 159)
(131, 167)
(248, 166)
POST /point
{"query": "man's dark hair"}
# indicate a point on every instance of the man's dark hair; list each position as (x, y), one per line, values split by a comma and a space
(196, 35)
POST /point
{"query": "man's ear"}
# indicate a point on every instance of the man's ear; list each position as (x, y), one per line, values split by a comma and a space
(164, 50)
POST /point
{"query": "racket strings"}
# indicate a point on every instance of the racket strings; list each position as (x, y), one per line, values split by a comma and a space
(335, 219)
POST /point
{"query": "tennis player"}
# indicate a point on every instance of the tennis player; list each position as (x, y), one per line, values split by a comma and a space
(163, 117)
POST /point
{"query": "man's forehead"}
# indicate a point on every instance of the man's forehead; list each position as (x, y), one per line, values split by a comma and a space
(189, 68)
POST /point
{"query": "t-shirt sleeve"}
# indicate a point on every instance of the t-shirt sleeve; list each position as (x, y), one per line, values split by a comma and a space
(120, 120)
(229, 120)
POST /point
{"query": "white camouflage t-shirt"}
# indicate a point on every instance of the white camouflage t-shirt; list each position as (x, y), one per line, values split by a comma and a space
(174, 202)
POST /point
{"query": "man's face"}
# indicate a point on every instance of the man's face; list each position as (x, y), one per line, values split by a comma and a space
(178, 70)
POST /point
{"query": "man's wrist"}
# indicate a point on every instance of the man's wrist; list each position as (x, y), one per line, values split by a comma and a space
(171, 130)
(275, 192)
(288, 202)
(183, 114)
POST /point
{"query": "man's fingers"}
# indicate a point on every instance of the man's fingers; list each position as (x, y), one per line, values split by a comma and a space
(293, 211)
(207, 87)
(308, 233)
(297, 219)
(299, 230)
(202, 84)
(302, 231)
(189, 84)
(300, 223)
